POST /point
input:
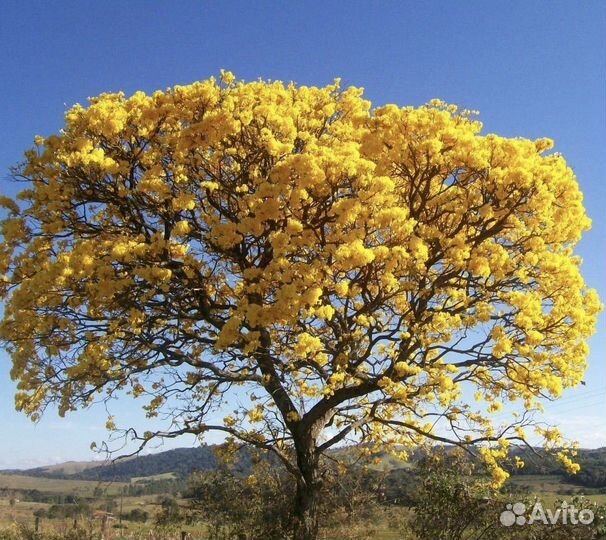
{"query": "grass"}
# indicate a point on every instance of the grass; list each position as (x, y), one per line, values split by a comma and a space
(84, 488)
(550, 489)
(143, 479)
(547, 489)
(20, 512)
(88, 530)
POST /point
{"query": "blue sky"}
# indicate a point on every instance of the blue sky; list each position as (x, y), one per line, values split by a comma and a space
(532, 69)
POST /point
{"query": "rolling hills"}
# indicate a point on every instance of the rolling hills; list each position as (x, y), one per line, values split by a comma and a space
(181, 462)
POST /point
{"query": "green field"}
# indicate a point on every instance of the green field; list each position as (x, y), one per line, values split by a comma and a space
(83, 488)
(549, 489)
(143, 479)
(15, 512)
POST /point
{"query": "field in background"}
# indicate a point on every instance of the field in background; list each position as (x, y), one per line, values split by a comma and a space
(547, 488)
(82, 488)
(550, 488)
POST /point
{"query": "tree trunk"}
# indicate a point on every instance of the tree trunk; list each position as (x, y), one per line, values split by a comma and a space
(307, 497)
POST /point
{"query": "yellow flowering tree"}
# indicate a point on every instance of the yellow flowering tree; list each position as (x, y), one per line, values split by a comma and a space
(344, 272)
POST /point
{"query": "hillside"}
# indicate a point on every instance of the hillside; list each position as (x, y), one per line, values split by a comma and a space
(25, 482)
(66, 469)
(181, 462)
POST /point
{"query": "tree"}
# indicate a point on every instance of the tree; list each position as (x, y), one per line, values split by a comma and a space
(454, 502)
(344, 271)
(170, 511)
(257, 506)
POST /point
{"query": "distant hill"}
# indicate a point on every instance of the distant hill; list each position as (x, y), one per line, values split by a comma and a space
(181, 462)
(68, 468)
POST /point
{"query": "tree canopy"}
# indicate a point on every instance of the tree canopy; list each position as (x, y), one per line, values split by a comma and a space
(345, 272)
